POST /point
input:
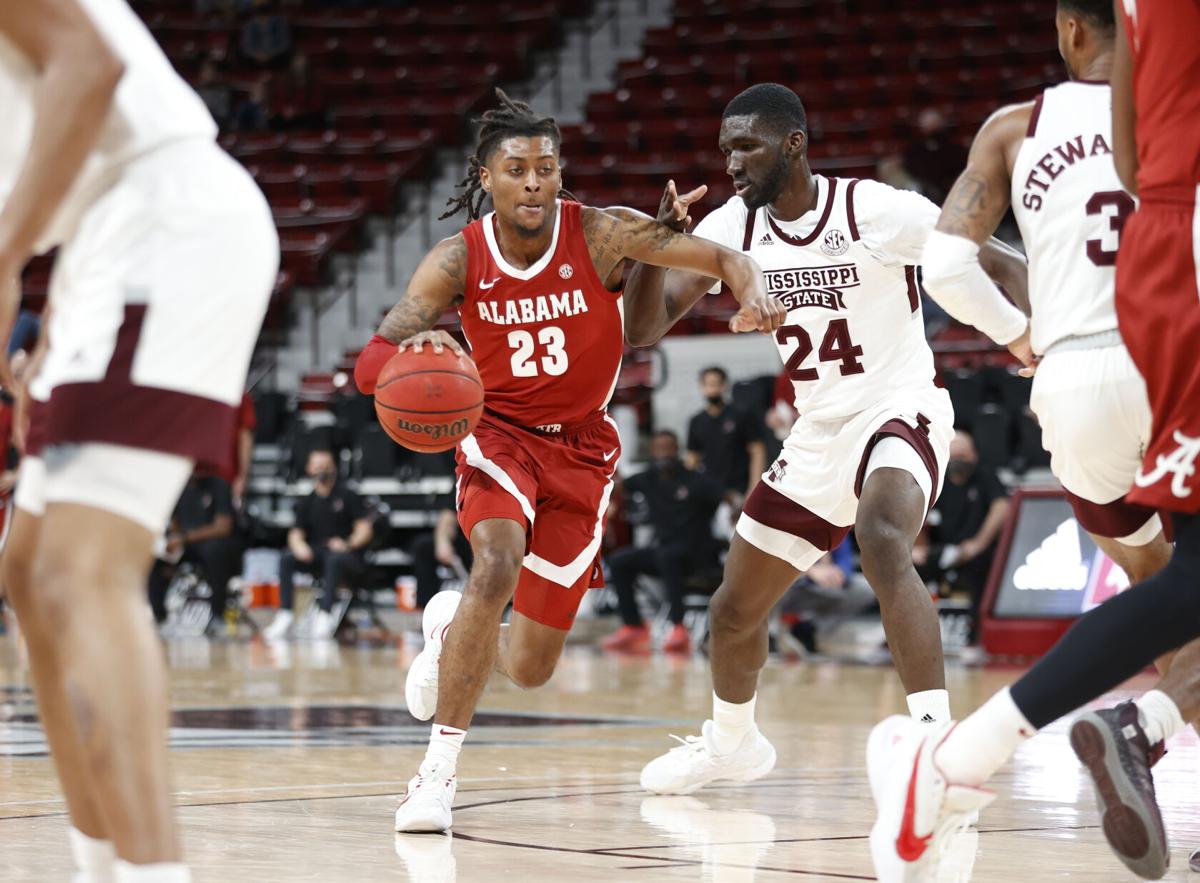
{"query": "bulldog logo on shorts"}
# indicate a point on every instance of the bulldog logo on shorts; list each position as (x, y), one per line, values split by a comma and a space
(835, 243)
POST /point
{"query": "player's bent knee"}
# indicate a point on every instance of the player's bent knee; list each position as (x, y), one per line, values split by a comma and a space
(495, 573)
(529, 672)
(730, 612)
(885, 547)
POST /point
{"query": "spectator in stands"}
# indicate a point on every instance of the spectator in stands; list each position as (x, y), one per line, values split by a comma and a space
(252, 114)
(931, 161)
(266, 35)
(959, 541)
(201, 532)
(216, 95)
(679, 504)
(723, 441)
(332, 528)
(829, 593)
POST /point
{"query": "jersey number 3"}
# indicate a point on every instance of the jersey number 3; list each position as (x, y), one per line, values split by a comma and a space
(1122, 206)
(553, 363)
(836, 347)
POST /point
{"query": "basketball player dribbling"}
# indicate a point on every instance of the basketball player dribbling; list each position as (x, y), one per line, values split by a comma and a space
(871, 445)
(538, 287)
(927, 783)
(167, 258)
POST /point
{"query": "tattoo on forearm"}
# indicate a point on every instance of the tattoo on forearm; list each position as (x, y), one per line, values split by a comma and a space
(970, 209)
(413, 314)
(408, 317)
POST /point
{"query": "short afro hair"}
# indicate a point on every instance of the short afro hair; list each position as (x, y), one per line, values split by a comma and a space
(778, 105)
(1098, 12)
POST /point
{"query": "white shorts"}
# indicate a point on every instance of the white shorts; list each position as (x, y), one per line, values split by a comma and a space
(142, 486)
(1095, 418)
(156, 302)
(807, 501)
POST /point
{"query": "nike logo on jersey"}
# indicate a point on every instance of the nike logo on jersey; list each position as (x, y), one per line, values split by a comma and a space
(483, 284)
(1180, 464)
(610, 455)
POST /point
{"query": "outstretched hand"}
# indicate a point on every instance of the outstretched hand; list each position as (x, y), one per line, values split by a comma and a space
(673, 208)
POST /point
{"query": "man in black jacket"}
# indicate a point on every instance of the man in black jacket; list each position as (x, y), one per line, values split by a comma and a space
(679, 504)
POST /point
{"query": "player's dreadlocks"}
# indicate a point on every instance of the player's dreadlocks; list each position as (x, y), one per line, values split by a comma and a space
(512, 119)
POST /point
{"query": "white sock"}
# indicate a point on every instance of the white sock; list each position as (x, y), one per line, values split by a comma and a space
(92, 855)
(929, 706)
(444, 745)
(984, 742)
(1159, 716)
(732, 721)
(159, 872)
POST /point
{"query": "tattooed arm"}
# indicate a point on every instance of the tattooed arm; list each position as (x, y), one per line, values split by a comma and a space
(953, 260)
(435, 286)
(612, 239)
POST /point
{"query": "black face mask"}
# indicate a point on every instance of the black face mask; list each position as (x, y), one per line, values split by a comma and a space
(715, 400)
(326, 476)
(960, 470)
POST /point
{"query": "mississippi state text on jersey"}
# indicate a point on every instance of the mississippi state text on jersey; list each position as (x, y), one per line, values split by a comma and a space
(846, 272)
(547, 339)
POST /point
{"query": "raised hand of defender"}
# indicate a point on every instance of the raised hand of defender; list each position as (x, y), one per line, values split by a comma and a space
(673, 208)
(437, 339)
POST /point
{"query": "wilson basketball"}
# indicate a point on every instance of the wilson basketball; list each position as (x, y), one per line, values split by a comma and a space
(428, 401)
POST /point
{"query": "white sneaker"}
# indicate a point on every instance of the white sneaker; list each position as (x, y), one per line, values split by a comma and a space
(920, 813)
(421, 684)
(323, 625)
(696, 762)
(279, 626)
(426, 805)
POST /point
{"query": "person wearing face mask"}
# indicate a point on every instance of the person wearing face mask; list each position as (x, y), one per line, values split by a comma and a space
(964, 524)
(331, 530)
(723, 441)
(679, 504)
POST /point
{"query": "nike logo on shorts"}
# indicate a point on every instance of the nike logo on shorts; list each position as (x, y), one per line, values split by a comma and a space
(610, 455)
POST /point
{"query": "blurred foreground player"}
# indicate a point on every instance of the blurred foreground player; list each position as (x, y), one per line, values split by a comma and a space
(926, 783)
(538, 286)
(871, 445)
(167, 258)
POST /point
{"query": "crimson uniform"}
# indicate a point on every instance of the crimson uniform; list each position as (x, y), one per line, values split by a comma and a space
(1158, 267)
(547, 341)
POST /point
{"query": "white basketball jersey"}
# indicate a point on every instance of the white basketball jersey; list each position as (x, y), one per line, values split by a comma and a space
(1070, 206)
(152, 105)
(846, 272)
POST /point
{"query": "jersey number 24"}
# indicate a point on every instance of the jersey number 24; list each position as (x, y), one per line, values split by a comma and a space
(835, 347)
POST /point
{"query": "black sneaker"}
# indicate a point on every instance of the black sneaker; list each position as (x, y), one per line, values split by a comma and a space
(1116, 753)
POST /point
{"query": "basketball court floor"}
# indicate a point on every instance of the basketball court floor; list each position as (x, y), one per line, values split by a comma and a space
(288, 760)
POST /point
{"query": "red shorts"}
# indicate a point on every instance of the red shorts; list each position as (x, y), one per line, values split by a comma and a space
(1158, 308)
(557, 485)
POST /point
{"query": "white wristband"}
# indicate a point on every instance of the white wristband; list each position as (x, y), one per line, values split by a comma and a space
(953, 277)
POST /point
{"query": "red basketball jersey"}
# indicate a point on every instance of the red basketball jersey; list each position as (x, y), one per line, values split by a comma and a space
(548, 339)
(1164, 37)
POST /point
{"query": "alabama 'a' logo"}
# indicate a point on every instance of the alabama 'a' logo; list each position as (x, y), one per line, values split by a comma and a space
(1180, 464)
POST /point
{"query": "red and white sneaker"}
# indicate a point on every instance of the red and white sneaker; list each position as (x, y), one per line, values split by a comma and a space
(421, 684)
(919, 813)
(426, 805)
